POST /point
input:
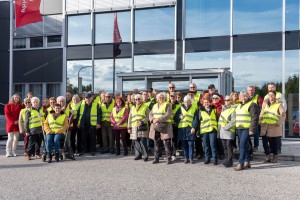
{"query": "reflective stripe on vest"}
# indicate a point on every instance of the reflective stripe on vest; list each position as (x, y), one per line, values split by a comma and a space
(197, 97)
(75, 108)
(93, 114)
(243, 117)
(56, 124)
(225, 118)
(187, 120)
(36, 118)
(160, 111)
(271, 115)
(118, 116)
(106, 111)
(138, 115)
(208, 123)
(177, 106)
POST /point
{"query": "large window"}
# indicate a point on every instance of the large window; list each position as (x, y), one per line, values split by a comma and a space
(36, 42)
(19, 43)
(154, 62)
(292, 15)
(254, 16)
(105, 27)
(203, 60)
(154, 24)
(207, 18)
(54, 41)
(79, 29)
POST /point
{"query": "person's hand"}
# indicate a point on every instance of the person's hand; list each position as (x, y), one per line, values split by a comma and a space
(140, 123)
(154, 121)
(98, 126)
(16, 123)
(251, 133)
(193, 131)
(27, 134)
(129, 130)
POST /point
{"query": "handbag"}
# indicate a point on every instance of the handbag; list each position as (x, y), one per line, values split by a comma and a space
(143, 127)
(161, 127)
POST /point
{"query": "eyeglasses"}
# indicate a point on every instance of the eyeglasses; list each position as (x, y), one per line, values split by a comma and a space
(27, 102)
(171, 87)
(227, 100)
(137, 99)
(107, 96)
(192, 87)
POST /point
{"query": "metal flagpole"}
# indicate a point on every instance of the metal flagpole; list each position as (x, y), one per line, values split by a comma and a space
(114, 73)
(11, 34)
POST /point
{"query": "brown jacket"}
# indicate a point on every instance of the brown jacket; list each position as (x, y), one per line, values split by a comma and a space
(272, 130)
(165, 117)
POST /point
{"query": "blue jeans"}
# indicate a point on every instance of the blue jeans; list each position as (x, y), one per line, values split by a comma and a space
(244, 145)
(210, 140)
(53, 138)
(188, 149)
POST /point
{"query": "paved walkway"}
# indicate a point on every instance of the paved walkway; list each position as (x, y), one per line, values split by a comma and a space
(290, 150)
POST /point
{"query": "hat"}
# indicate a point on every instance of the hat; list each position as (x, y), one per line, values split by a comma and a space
(88, 95)
(172, 94)
(211, 86)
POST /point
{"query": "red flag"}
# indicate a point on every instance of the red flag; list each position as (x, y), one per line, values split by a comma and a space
(116, 37)
(27, 12)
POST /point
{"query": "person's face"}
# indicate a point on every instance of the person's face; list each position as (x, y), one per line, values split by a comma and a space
(16, 99)
(191, 95)
(61, 102)
(75, 100)
(171, 87)
(27, 104)
(83, 95)
(161, 99)
(172, 98)
(35, 104)
(88, 100)
(193, 88)
(187, 103)
(250, 91)
(68, 95)
(272, 97)
(212, 90)
(107, 98)
(145, 95)
(227, 101)
(178, 98)
(45, 102)
(243, 98)
(271, 87)
(235, 96)
(215, 99)
(118, 102)
(206, 103)
(52, 102)
(57, 109)
(137, 100)
(129, 98)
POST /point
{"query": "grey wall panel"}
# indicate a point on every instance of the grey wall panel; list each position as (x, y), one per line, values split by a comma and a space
(79, 52)
(4, 10)
(4, 35)
(205, 44)
(154, 47)
(292, 40)
(38, 66)
(4, 86)
(106, 51)
(49, 7)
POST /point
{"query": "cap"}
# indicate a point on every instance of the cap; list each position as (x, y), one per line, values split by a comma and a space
(211, 86)
(88, 95)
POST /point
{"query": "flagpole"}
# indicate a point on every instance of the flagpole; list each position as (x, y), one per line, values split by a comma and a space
(11, 34)
(114, 73)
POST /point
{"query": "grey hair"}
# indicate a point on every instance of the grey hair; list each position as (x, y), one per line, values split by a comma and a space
(61, 98)
(33, 99)
(244, 93)
(161, 93)
(187, 98)
(138, 96)
(229, 97)
(75, 96)
(11, 100)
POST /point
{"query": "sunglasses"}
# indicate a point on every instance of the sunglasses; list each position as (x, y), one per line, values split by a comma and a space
(192, 87)
(137, 99)
(171, 87)
(28, 102)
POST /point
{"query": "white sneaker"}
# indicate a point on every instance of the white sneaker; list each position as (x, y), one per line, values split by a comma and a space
(9, 154)
(173, 158)
(14, 154)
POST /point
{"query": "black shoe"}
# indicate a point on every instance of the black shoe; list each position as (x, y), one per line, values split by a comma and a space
(56, 157)
(118, 152)
(199, 157)
(155, 161)
(186, 161)
(225, 163)
(206, 162)
(82, 153)
(104, 151)
(92, 154)
(215, 162)
(49, 157)
(145, 159)
(228, 165)
(137, 158)
(112, 151)
(125, 152)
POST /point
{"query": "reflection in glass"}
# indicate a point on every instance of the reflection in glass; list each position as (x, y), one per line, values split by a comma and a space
(19, 43)
(54, 41)
(79, 29)
(53, 90)
(257, 16)
(203, 83)
(256, 68)
(37, 90)
(154, 62)
(292, 15)
(129, 86)
(105, 25)
(204, 60)
(154, 24)
(36, 42)
(207, 18)
(292, 93)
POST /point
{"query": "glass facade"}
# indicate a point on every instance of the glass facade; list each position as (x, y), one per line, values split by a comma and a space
(190, 35)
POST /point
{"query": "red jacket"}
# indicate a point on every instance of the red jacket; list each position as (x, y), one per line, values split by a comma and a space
(12, 112)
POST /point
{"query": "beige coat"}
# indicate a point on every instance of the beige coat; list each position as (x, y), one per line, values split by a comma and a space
(165, 117)
(272, 130)
(134, 134)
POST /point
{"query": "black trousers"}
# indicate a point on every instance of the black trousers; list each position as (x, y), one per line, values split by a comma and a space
(34, 144)
(228, 150)
(199, 146)
(76, 138)
(88, 139)
(141, 148)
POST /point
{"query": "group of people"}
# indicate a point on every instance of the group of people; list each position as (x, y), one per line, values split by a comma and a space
(152, 121)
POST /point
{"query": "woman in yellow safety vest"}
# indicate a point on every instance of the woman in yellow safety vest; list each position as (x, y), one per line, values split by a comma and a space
(55, 126)
(118, 118)
(188, 115)
(271, 118)
(161, 129)
(208, 118)
(246, 122)
(138, 127)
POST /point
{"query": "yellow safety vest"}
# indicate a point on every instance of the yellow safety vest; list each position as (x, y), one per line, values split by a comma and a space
(93, 114)
(138, 115)
(56, 124)
(197, 97)
(271, 115)
(50, 109)
(160, 111)
(187, 120)
(225, 118)
(243, 117)
(118, 116)
(23, 113)
(255, 99)
(106, 111)
(208, 123)
(278, 95)
(36, 118)
(177, 106)
(75, 108)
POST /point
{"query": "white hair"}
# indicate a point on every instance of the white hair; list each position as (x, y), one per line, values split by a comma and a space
(161, 93)
(33, 99)
(138, 96)
(60, 98)
(187, 98)
(244, 93)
